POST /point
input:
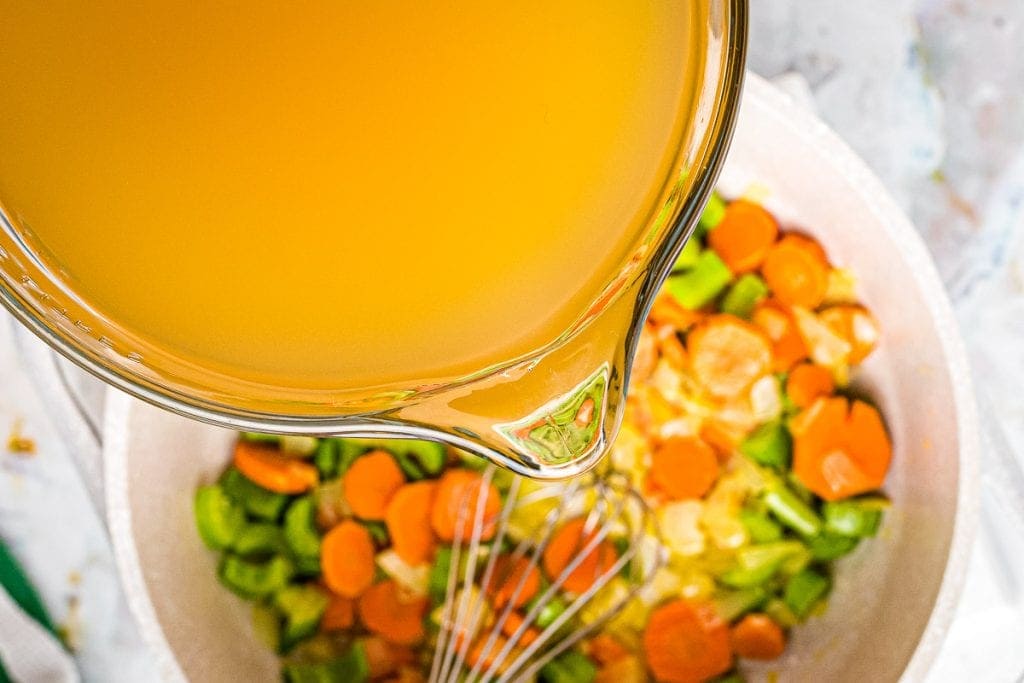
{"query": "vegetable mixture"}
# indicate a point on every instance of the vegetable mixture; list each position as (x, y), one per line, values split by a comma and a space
(741, 431)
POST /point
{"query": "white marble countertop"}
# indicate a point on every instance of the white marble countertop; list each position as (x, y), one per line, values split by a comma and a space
(929, 92)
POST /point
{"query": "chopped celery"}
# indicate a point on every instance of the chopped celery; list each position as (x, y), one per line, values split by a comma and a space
(551, 611)
(253, 580)
(257, 501)
(760, 528)
(266, 626)
(300, 532)
(744, 295)
(731, 605)
(731, 677)
(471, 461)
(218, 518)
(796, 562)
(738, 577)
(758, 563)
(712, 215)
(570, 667)
(302, 607)
(258, 539)
(352, 668)
(256, 437)
(803, 590)
(769, 444)
(437, 585)
(790, 510)
(327, 458)
(697, 287)
(378, 532)
(781, 614)
(688, 256)
(827, 546)
(858, 517)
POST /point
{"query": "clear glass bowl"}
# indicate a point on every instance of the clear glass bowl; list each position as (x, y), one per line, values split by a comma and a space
(484, 413)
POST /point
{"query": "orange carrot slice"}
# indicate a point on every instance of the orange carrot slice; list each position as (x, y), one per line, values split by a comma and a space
(686, 643)
(393, 615)
(684, 467)
(566, 545)
(512, 624)
(727, 354)
(339, 615)
(604, 649)
(796, 271)
(777, 321)
(384, 658)
(840, 450)
(743, 236)
(408, 521)
(807, 382)
(273, 471)
(504, 581)
(757, 636)
(456, 501)
(347, 559)
(370, 483)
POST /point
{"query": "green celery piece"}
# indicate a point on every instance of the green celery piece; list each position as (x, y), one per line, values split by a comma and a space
(796, 562)
(754, 557)
(472, 461)
(266, 626)
(857, 517)
(781, 614)
(730, 605)
(744, 295)
(805, 589)
(769, 444)
(731, 677)
(256, 437)
(551, 611)
(827, 546)
(571, 667)
(738, 577)
(712, 215)
(437, 584)
(218, 518)
(252, 580)
(378, 532)
(352, 668)
(299, 529)
(257, 501)
(327, 458)
(349, 451)
(258, 539)
(689, 255)
(698, 286)
(790, 510)
(760, 528)
(302, 607)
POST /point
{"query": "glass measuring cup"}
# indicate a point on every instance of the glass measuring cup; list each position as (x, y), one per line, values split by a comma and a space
(548, 412)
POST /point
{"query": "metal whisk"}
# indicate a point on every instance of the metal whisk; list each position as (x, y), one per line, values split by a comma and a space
(609, 506)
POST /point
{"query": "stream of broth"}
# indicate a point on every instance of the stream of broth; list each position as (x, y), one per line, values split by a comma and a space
(341, 194)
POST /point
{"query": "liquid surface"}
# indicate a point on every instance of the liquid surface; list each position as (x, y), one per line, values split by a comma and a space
(347, 194)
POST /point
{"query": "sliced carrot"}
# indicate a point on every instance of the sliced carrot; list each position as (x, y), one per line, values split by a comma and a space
(477, 657)
(840, 450)
(456, 502)
(626, 670)
(723, 440)
(684, 467)
(743, 236)
(807, 382)
(370, 483)
(512, 624)
(408, 522)
(757, 636)
(777, 321)
(666, 310)
(347, 559)
(384, 658)
(727, 354)
(273, 471)
(604, 649)
(339, 615)
(856, 326)
(796, 271)
(672, 350)
(566, 545)
(392, 614)
(504, 581)
(686, 642)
